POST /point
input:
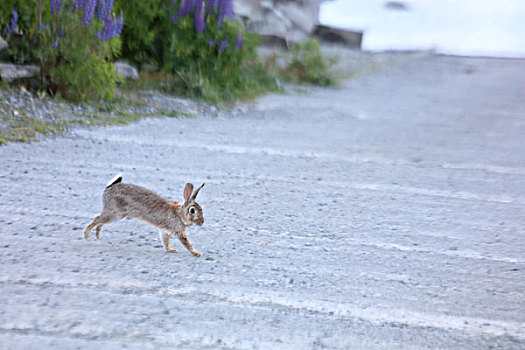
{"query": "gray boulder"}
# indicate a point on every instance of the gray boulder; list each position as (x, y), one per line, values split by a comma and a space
(10, 72)
(3, 44)
(346, 37)
(291, 20)
(126, 70)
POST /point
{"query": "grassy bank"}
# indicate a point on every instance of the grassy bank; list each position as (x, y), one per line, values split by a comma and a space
(21, 119)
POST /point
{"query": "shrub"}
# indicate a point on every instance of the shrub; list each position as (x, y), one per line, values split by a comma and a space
(145, 29)
(307, 64)
(73, 42)
(27, 15)
(210, 54)
(76, 50)
(15, 19)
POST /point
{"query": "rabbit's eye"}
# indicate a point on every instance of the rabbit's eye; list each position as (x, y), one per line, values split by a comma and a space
(192, 210)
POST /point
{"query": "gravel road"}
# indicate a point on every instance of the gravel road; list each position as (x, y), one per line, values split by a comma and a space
(385, 214)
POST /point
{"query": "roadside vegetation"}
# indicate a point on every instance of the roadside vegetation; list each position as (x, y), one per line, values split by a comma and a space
(189, 48)
(20, 122)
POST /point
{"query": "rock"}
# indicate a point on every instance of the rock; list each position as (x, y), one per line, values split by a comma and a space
(289, 20)
(396, 5)
(10, 72)
(338, 35)
(3, 44)
(126, 70)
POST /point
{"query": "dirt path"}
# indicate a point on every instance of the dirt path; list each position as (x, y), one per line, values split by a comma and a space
(388, 213)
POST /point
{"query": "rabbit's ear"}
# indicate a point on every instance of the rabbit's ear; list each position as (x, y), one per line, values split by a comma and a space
(196, 192)
(187, 192)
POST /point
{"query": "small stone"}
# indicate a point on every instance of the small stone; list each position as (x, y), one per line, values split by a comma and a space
(126, 70)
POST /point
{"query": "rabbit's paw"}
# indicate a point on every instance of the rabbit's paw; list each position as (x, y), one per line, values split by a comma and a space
(196, 253)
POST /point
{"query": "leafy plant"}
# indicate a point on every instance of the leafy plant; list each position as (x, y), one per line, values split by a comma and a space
(76, 49)
(23, 45)
(210, 55)
(27, 15)
(73, 42)
(145, 30)
(306, 63)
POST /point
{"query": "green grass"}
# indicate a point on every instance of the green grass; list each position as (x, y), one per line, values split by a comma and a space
(26, 128)
(305, 64)
(256, 81)
(19, 127)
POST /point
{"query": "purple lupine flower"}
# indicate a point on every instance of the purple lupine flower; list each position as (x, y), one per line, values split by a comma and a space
(107, 30)
(227, 7)
(108, 8)
(55, 6)
(114, 28)
(198, 16)
(224, 10)
(222, 45)
(86, 12)
(79, 4)
(61, 33)
(10, 27)
(120, 24)
(102, 34)
(89, 11)
(101, 9)
(238, 42)
(220, 13)
(185, 7)
(14, 19)
(211, 6)
(55, 43)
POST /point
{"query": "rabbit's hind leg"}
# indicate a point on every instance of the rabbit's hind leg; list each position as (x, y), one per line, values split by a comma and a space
(98, 230)
(87, 231)
(99, 221)
(165, 238)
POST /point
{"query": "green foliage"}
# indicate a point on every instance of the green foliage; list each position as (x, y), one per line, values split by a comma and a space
(22, 46)
(78, 66)
(74, 63)
(144, 29)
(307, 64)
(22, 49)
(28, 14)
(89, 79)
(207, 65)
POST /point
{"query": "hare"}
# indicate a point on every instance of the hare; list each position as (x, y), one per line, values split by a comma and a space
(121, 200)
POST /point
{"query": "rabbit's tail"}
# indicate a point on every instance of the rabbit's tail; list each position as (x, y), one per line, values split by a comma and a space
(115, 180)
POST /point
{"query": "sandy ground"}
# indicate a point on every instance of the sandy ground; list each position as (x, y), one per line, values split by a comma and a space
(384, 214)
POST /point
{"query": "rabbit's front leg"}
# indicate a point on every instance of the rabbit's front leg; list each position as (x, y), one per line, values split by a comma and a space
(165, 238)
(184, 240)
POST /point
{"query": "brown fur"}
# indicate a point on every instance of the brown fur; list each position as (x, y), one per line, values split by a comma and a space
(121, 200)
